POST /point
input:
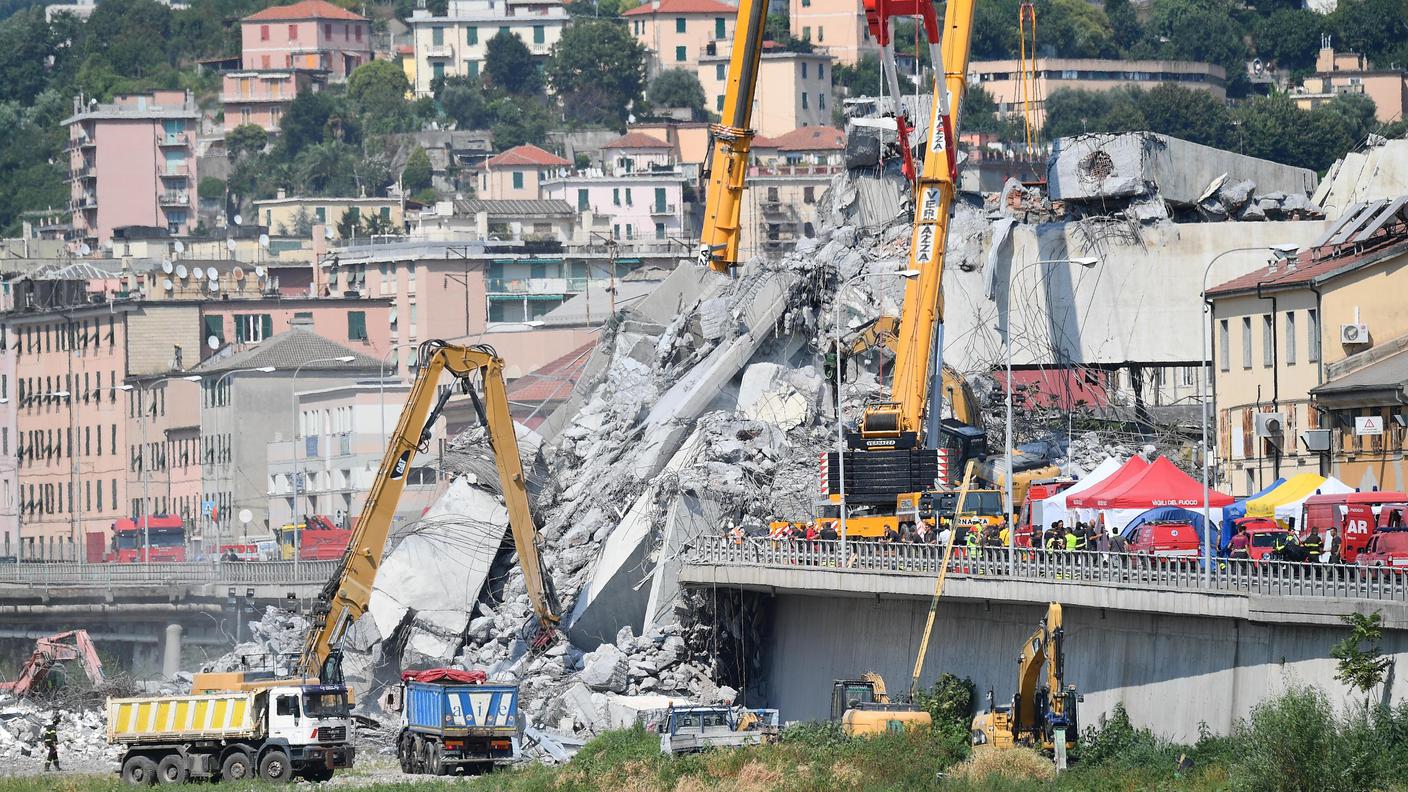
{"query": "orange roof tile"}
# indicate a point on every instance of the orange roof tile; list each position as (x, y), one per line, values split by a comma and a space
(527, 154)
(681, 7)
(306, 9)
(637, 140)
(810, 139)
(554, 379)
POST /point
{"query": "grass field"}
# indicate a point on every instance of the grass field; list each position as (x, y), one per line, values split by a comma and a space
(1294, 743)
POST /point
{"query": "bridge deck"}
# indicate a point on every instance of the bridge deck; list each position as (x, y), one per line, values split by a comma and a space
(1266, 591)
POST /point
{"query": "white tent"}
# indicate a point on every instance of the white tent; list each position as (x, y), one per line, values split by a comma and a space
(1331, 486)
(1053, 508)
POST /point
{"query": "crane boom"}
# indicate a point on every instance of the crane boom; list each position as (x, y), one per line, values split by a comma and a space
(732, 137)
(919, 342)
(348, 593)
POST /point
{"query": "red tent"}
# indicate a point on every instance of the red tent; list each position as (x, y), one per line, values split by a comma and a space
(1132, 469)
(1162, 484)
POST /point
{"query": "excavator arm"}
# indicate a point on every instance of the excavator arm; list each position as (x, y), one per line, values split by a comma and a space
(348, 593)
(732, 137)
(52, 650)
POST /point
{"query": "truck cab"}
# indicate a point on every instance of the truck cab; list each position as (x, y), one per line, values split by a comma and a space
(1165, 539)
(314, 722)
(694, 729)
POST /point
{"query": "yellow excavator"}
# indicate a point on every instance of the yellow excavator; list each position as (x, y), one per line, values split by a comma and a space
(863, 706)
(348, 593)
(1040, 716)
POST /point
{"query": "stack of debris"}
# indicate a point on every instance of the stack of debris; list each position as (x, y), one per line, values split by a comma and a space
(276, 641)
(82, 734)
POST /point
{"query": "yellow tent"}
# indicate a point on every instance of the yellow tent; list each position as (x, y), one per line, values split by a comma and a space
(1296, 488)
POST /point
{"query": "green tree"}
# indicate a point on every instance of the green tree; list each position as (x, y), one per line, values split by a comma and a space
(778, 30)
(597, 70)
(417, 173)
(210, 188)
(1198, 30)
(350, 223)
(1187, 113)
(377, 91)
(1359, 660)
(327, 169)
(678, 88)
(25, 49)
(128, 37)
(509, 66)
(1289, 38)
(245, 140)
(304, 123)
(463, 101)
(519, 121)
(949, 702)
(1078, 29)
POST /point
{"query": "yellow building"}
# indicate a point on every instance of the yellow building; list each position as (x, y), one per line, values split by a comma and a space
(794, 89)
(1294, 348)
(518, 174)
(1349, 73)
(1002, 78)
(834, 26)
(678, 32)
(285, 215)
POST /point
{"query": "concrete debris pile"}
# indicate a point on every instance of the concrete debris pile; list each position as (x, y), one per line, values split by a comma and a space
(276, 641)
(1379, 170)
(1148, 178)
(704, 405)
(82, 739)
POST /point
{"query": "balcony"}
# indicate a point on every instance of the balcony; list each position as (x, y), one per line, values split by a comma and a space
(80, 142)
(181, 171)
(83, 172)
(439, 51)
(85, 202)
(175, 199)
(166, 141)
(526, 286)
(662, 209)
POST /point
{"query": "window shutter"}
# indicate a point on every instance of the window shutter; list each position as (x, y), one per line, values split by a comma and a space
(266, 323)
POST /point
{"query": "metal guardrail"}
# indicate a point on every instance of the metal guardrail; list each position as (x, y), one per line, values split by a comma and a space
(1129, 570)
(168, 573)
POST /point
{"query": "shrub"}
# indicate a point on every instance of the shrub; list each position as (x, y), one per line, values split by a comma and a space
(988, 764)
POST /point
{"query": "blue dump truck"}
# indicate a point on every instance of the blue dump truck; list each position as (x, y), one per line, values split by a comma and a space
(456, 720)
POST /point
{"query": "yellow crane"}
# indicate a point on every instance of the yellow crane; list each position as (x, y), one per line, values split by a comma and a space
(348, 593)
(727, 166)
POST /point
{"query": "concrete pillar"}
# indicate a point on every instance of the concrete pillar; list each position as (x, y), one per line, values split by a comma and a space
(171, 654)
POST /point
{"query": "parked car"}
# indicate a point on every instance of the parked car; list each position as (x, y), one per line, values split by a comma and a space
(1262, 536)
(1385, 549)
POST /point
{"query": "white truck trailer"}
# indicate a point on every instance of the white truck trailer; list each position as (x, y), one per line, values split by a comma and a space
(274, 734)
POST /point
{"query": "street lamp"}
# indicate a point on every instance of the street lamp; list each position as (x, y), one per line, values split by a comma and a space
(297, 462)
(907, 274)
(1281, 251)
(215, 394)
(1085, 261)
(146, 463)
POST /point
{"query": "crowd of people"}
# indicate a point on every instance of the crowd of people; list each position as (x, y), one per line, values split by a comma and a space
(972, 535)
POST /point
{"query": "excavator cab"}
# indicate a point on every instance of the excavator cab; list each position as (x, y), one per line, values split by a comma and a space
(862, 706)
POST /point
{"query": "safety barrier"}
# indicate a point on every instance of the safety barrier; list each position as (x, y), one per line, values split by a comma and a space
(1266, 577)
(168, 573)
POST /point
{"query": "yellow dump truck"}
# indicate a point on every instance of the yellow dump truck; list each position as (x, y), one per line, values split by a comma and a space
(273, 734)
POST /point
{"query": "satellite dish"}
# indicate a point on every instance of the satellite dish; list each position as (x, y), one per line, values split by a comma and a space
(264, 241)
(246, 515)
(166, 266)
(238, 272)
(181, 271)
(239, 220)
(327, 232)
(214, 285)
(259, 270)
(230, 245)
(212, 273)
(213, 342)
(179, 246)
(84, 250)
(167, 284)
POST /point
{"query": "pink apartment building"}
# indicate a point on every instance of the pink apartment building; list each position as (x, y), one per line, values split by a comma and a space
(310, 34)
(133, 163)
(836, 27)
(677, 32)
(9, 484)
(640, 188)
(262, 97)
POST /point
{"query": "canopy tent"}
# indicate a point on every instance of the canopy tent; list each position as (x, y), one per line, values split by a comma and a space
(1160, 484)
(1291, 509)
(1238, 510)
(1295, 488)
(1162, 513)
(1131, 469)
(1055, 506)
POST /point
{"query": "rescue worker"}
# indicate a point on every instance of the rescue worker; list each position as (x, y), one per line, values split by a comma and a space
(1334, 546)
(1314, 545)
(1004, 533)
(1056, 538)
(736, 535)
(1237, 546)
(51, 742)
(1074, 538)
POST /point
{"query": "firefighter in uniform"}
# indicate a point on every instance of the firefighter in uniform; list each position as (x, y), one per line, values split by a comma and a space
(51, 742)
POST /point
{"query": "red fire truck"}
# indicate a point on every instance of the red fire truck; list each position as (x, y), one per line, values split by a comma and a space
(167, 536)
(1357, 515)
(319, 540)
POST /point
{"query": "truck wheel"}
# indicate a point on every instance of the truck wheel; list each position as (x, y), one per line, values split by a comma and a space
(420, 756)
(404, 753)
(172, 769)
(437, 760)
(139, 771)
(237, 767)
(276, 767)
(318, 774)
